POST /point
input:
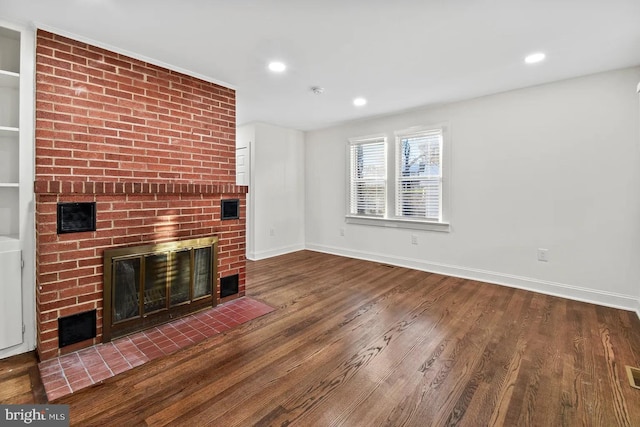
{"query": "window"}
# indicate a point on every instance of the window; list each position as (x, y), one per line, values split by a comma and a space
(419, 175)
(368, 177)
(412, 192)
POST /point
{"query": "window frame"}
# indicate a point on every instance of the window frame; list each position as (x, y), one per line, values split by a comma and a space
(390, 219)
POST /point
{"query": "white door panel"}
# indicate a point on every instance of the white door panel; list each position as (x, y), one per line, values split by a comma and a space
(10, 299)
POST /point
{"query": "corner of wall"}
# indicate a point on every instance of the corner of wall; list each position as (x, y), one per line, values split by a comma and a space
(273, 252)
(276, 196)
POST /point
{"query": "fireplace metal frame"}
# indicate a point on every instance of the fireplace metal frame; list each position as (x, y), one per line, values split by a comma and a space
(144, 320)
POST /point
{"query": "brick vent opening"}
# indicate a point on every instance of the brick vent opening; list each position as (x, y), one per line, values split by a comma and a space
(228, 286)
(76, 217)
(76, 328)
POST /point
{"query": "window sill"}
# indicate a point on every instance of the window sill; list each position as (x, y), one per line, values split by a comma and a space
(399, 223)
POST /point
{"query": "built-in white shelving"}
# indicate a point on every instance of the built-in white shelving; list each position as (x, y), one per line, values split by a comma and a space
(9, 132)
(17, 228)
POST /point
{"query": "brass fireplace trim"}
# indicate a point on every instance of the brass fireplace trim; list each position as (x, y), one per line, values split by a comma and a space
(110, 330)
(634, 376)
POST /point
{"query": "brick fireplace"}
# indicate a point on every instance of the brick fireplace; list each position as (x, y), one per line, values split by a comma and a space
(153, 148)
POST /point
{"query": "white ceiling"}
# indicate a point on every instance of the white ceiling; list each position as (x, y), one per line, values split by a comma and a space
(398, 54)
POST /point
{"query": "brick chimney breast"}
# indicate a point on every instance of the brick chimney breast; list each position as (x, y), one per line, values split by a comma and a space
(153, 148)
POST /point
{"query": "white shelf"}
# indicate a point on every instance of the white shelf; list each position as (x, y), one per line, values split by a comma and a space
(8, 131)
(9, 185)
(9, 79)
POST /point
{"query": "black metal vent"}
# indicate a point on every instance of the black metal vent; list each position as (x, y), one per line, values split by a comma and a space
(76, 217)
(229, 285)
(230, 209)
(76, 328)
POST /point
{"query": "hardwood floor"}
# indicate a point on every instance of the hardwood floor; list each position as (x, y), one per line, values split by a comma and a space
(356, 343)
(20, 382)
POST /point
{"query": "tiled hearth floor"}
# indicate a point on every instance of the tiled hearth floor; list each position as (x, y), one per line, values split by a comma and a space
(72, 372)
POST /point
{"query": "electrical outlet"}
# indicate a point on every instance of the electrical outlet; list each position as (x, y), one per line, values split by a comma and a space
(543, 255)
(272, 232)
(342, 232)
(414, 239)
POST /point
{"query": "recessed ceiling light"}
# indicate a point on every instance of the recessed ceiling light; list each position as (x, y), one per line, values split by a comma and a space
(359, 102)
(534, 57)
(277, 67)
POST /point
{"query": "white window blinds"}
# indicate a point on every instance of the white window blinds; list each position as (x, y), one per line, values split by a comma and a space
(419, 175)
(368, 173)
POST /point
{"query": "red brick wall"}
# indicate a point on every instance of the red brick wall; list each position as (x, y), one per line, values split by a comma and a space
(155, 149)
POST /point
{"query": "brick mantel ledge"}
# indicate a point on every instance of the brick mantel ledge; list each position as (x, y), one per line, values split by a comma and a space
(101, 187)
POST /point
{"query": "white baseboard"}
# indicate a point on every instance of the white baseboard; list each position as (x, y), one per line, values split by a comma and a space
(609, 299)
(256, 256)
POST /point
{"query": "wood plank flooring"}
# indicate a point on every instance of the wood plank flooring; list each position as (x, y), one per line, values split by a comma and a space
(356, 343)
(20, 382)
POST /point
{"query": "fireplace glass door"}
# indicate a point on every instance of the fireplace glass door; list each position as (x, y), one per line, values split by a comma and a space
(180, 277)
(126, 289)
(148, 285)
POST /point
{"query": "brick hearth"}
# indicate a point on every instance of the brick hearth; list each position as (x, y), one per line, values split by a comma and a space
(155, 149)
(72, 372)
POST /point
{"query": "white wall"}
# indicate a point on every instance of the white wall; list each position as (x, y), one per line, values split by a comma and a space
(275, 218)
(245, 135)
(554, 166)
